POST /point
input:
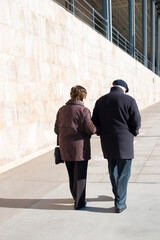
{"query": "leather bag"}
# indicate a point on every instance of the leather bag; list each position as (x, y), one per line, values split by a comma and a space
(57, 154)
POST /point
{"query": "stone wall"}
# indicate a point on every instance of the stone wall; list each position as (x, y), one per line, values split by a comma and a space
(44, 51)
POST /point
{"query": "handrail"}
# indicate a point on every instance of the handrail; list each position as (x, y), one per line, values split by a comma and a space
(95, 20)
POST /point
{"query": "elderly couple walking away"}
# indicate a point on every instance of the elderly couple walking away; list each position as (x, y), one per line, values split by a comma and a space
(116, 119)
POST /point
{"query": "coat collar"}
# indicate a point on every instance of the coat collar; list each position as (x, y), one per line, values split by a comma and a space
(75, 102)
(116, 89)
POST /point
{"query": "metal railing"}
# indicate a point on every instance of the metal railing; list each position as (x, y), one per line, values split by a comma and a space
(84, 11)
(121, 41)
(139, 56)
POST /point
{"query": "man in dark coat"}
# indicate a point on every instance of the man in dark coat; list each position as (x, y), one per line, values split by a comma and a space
(117, 117)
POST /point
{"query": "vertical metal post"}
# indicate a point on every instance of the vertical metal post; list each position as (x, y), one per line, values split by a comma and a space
(125, 44)
(153, 35)
(93, 19)
(73, 10)
(132, 26)
(110, 19)
(158, 43)
(144, 30)
(105, 15)
(118, 38)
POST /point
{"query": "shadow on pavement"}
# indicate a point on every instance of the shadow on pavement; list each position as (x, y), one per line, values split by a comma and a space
(53, 204)
(99, 209)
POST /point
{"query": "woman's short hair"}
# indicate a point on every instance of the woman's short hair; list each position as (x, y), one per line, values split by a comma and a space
(78, 93)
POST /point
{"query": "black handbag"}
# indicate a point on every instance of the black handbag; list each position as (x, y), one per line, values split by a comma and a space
(57, 154)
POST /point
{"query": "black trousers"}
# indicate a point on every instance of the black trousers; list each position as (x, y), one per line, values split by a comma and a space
(77, 172)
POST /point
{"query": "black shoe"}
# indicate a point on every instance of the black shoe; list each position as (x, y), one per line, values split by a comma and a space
(119, 210)
(80, 206)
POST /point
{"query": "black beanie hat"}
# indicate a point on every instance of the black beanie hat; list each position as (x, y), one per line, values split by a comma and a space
(122, 83)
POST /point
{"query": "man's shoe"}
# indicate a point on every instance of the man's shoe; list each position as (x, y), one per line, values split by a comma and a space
(119, 210)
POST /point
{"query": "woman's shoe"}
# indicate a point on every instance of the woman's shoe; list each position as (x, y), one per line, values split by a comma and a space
(80, 206)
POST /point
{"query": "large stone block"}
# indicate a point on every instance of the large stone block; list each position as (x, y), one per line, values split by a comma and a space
(44, 51)
(5, 16)
(12, 41)
(8, 71)
(31, 46)
(44, 72)
(2, 92)
(46, 10)
(25, 69)
(8, 115)
(42, 24)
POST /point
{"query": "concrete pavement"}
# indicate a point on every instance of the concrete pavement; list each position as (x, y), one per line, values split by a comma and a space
(35, 202)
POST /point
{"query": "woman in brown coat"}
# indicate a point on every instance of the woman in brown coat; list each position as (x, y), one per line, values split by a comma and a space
(74, 127)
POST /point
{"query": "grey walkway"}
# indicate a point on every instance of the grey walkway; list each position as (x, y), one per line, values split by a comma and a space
(35, 202)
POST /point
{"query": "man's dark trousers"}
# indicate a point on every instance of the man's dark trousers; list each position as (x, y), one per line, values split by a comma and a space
(119, 171)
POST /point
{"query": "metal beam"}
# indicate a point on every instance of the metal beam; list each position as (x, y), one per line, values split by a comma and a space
(144, 30)
(158, 44)
(72, 6)
(153, 35)
(131, 11)
(110, 19)
(107, 14)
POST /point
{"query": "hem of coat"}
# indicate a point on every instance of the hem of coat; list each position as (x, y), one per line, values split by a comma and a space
(76, 160)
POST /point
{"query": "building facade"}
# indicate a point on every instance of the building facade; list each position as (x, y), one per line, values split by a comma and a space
(45, 49)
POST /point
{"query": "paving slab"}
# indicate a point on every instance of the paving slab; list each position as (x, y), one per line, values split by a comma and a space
(35, 201)
(53, 217)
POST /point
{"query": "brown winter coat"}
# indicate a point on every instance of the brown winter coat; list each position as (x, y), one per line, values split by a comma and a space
(74, 126)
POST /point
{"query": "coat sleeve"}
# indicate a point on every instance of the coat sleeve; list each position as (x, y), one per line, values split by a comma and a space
(56, 128)
(95, 115)
(134, 119)
(88, 124)
(95, 118)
